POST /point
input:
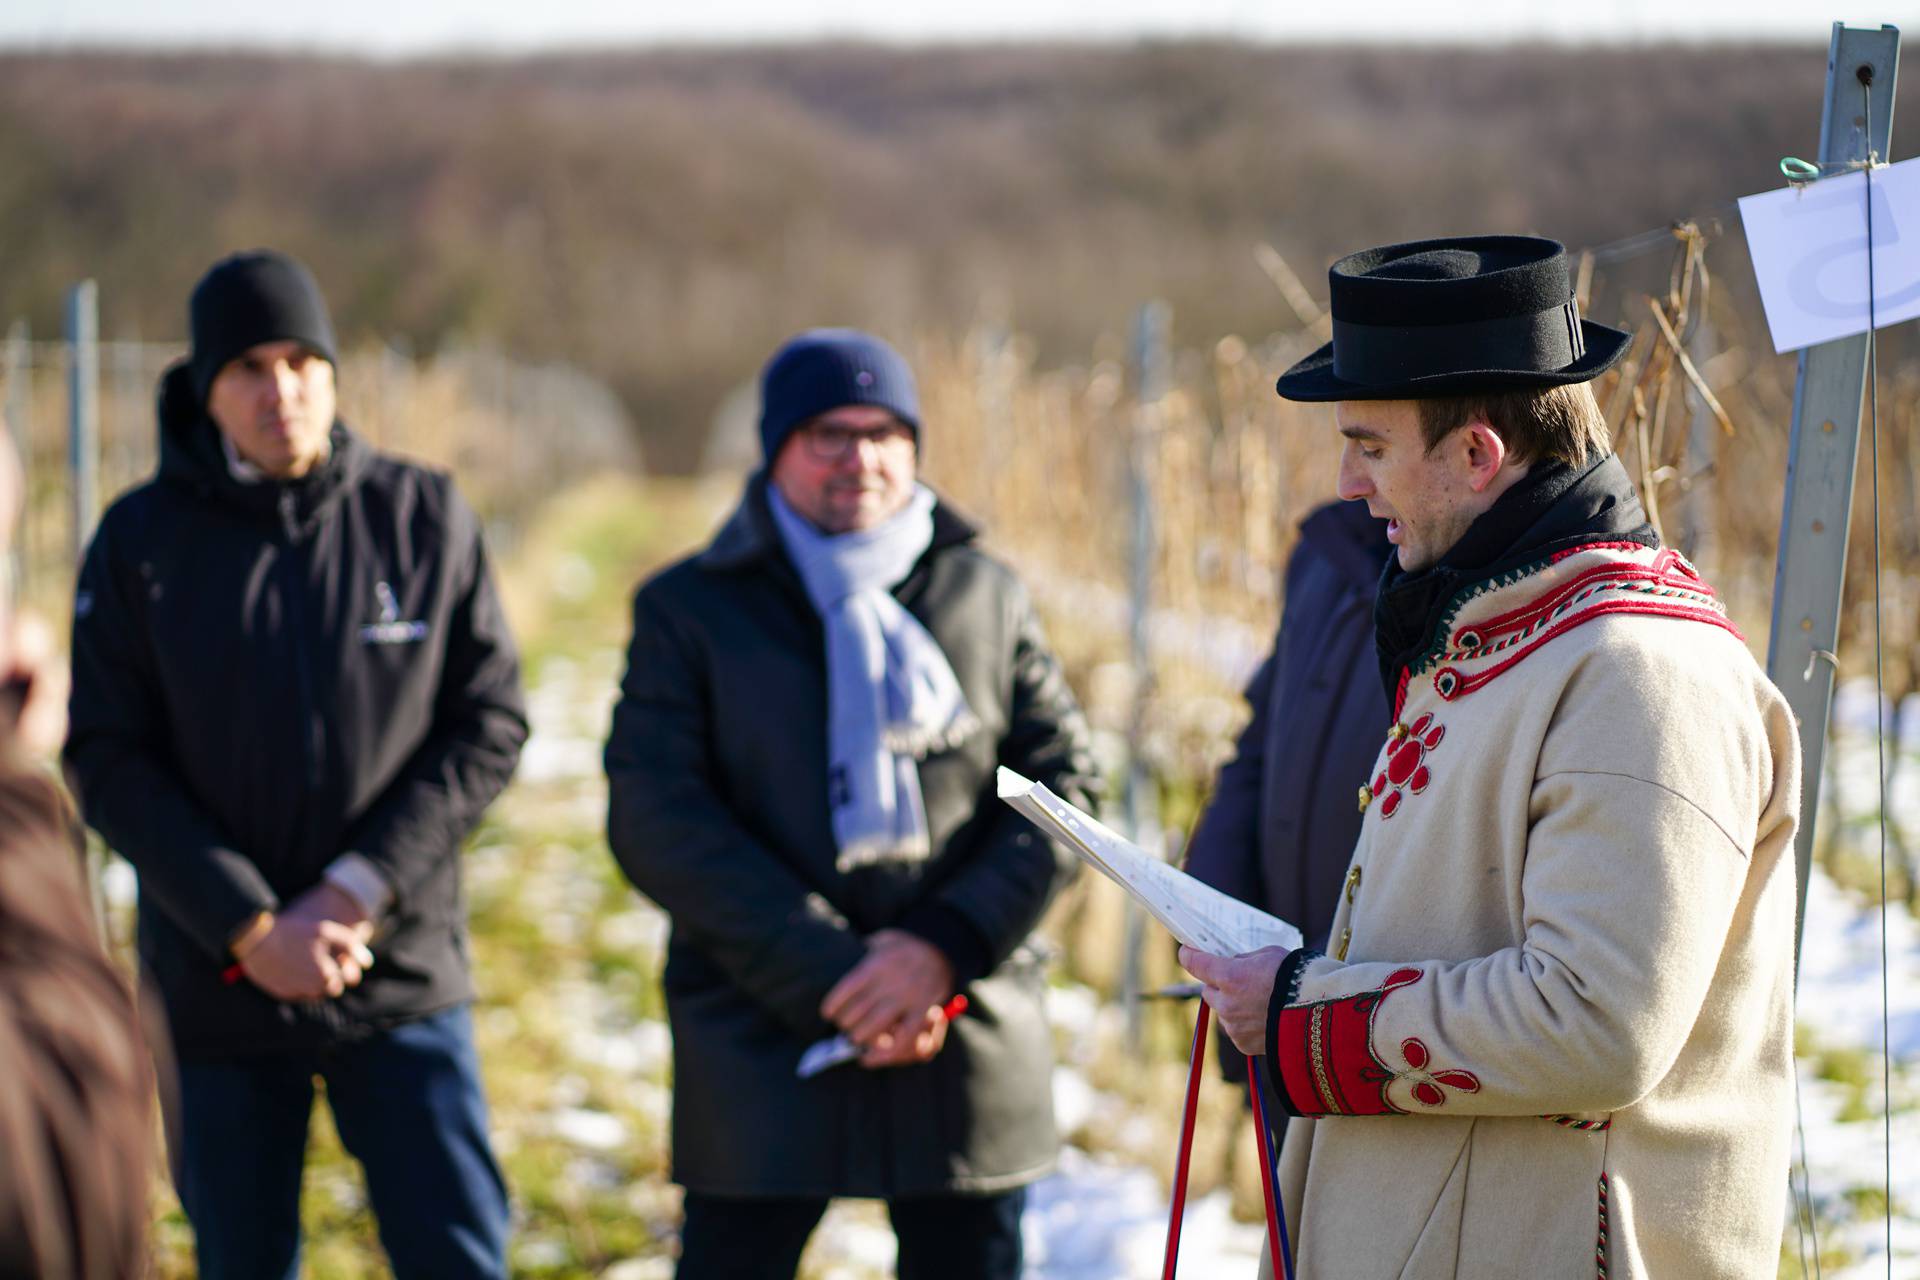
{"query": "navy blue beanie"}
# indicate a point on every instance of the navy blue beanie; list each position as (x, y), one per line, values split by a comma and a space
(823, 369)
(248, 299)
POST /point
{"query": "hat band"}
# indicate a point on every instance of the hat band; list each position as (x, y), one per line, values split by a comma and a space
(1377, 354)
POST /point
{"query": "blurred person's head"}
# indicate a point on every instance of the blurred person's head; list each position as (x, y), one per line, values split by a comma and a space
(12, 499)
(1455, 367)
(33, 677)
(75, 1125)
(262, 360)
(840, 424)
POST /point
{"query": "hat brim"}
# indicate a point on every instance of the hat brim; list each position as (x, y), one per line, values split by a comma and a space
(1313, 378)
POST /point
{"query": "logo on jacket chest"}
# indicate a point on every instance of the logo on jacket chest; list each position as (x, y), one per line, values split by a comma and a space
(391, 628)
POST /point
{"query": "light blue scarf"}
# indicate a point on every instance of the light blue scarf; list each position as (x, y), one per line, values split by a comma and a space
(892, 699)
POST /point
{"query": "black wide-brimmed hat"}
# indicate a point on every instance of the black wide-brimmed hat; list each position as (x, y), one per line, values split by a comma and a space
(1453, 317)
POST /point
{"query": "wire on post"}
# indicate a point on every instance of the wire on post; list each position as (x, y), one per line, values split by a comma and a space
(1864, 73)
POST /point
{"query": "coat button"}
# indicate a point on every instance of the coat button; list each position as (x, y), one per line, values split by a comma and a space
(1353, 884)
(1340, 952)
(1366, 798)
(1396, 733)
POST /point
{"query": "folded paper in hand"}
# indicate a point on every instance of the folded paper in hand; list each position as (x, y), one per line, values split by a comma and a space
(1197, 914)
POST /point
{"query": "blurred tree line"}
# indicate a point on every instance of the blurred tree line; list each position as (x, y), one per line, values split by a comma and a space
(662, 218)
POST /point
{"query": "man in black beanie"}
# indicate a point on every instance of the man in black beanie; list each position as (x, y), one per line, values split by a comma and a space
(254, 311)
(293, 695)
(801, 768)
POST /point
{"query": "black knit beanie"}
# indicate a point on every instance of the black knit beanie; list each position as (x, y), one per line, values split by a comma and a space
(251, 298)
(823, 369)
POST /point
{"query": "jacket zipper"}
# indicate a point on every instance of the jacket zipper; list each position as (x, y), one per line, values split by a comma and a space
(297, 630)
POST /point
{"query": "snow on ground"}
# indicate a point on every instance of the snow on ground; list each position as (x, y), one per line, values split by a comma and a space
(1839, 1004)
(1840, 991)
(1840, 1007)
(1093, 1219)
(569, 712)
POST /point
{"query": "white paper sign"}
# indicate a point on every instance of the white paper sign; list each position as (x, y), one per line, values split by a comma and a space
(1809, 247)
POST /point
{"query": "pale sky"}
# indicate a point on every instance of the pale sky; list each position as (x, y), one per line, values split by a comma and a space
(425, 26)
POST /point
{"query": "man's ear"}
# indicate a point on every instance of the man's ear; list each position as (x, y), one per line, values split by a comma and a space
(1485, 454)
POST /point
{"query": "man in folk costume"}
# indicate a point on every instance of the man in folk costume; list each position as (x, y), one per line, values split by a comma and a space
(802, 764)
(1552, 1036)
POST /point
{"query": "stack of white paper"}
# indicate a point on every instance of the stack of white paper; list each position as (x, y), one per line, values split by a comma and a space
(1197, 914)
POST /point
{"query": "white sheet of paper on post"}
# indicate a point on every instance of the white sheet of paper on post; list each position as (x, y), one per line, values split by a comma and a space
(1809, 249)
(1199, 915)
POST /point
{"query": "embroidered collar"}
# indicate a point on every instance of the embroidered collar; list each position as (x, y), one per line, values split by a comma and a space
(1491, 629)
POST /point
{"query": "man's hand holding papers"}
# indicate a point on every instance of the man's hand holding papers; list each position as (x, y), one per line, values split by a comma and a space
(1228, 939)
(1240, 990)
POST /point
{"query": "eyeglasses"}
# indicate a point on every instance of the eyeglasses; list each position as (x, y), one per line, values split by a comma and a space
(829, 442)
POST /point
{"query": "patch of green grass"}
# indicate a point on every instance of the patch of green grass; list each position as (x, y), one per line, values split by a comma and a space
(1851, 856)
(1856, 1070)
(1832, 1258)
(569, 584)
(1868, 1201)
(342, 1237)
(1854, 1067)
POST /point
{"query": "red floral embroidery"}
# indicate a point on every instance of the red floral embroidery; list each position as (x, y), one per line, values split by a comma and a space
(1427, 1086)
(1406, 770)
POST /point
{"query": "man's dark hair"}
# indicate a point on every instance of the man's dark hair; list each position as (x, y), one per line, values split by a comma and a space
(1559, 424)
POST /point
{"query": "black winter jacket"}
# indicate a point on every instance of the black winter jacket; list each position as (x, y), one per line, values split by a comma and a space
(717, 761)
(266, 676)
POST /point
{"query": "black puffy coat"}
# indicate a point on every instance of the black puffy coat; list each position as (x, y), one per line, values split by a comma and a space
(718, 772)
(266, 676)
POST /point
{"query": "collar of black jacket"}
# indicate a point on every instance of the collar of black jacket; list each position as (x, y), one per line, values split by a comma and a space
(191, 456)
(1553, 508)
(748, 537)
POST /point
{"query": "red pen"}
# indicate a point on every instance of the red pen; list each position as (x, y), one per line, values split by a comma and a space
(835, 1050)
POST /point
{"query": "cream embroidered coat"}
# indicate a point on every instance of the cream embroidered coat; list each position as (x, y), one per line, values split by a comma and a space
(1559, 1043)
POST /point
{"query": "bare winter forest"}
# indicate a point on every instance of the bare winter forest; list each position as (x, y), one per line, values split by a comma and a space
(660, 219)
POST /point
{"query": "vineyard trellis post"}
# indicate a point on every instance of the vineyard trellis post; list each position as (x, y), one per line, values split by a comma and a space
(1824, 448)
(1151, 362)
(83, 409)
(19, 417)
(83, 459)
